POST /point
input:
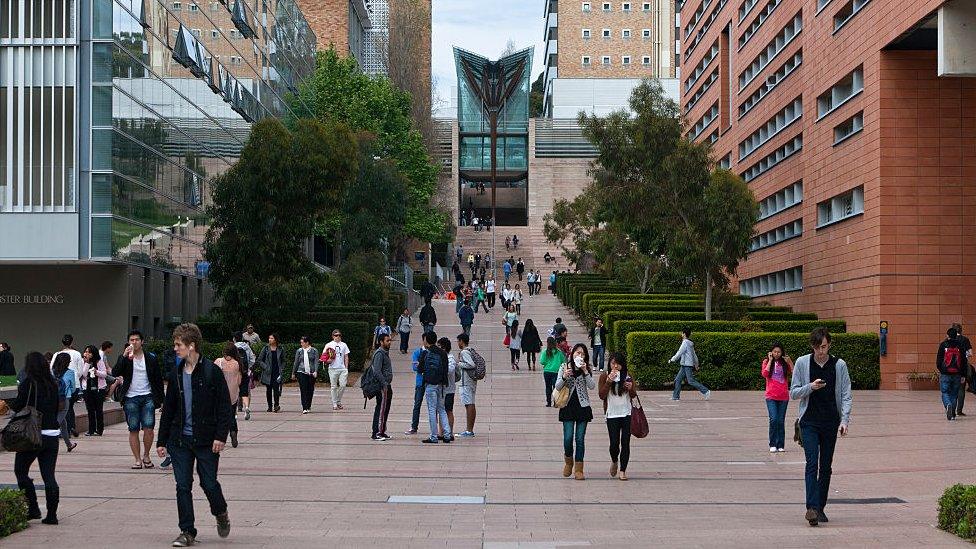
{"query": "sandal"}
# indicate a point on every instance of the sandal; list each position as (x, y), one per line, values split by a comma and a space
(147, 464)
(138, 465)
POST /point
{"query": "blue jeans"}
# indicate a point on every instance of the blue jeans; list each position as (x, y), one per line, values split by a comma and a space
(436, 411)
(418, 400)
(686, 373)
(140, 413)
(184, 453)
(598, 354)
(949, 384)
(777, 422)
(571, 430)
(818, 445)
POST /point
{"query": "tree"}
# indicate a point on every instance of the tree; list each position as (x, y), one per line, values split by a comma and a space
(374, 205)
(264, 209)
(537, 97)
(510, 48)
(408, 60)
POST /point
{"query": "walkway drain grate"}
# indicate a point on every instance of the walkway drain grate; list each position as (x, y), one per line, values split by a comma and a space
(864, 501)
(443, 500)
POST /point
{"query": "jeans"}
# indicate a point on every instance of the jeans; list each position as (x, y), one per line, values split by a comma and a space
(382, 410)
(428, 328)
(569, 429)
(70, 411)
(140, 412)
(818, 445)
(491, 299)
(95, 404)
(949, 384)
(273, 393)
(466, 328)
(47, 459)
(184, 453)
(619, 429)
(338, 378)
(63, 425)
(404, 341)
(777, 422)
(435, 410)
(599, 351)
(686, 373)
(418, 400)
(550, 378)
(306, 385)
(516, 355)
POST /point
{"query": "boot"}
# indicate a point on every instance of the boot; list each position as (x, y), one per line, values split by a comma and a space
(613, 468)
(52, 497)
(578, 471)
(568, 467)
(30, 495)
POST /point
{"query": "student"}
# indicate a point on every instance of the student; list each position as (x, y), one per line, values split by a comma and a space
(428, 318)
(94, 385)
(382, 329)
(552, 282)
(142, 387)
(538, 282)
(306, 370)
(490, 289)
(530, 282)
(77, 366)
(6, 360)
(193, 428)
(481, 298)
(336, 355)
(952, 364)
(822, 384)
(453, 374)
(520, 269)
(777, 368)
(531, 344)
(967, 349)
(515, 344)
(469, 385)
(273, 358)
(688, 360)
(433, 366)
(506, 271)
(466, 317)
(507, 297)
(517, 299)
(617, 389)
(230, 366)
(552, 360)
(247, 359)
(404, 325)
(383, 367)
(418, 389)
(40, 390)
(66, 383)
(510, 317)
(598, 338)
(578, 375)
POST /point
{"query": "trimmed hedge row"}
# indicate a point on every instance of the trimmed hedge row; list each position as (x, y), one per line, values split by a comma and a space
(957, 511)
(577, 291)
(13, 511)
(612, 317)
(563, 280)
(623, 327)
(603, 307)
(731, 361)
(588, 306)
(329, 316)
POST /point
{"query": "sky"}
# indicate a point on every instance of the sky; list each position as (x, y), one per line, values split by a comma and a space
(483, 27)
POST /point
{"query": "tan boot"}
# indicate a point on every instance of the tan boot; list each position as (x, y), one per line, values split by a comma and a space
(613, 468)
(578, 471)
(623, 475)
(568, 467)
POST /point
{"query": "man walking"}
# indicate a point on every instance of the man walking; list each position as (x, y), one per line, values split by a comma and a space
(490, 290)
(466, 316)
(687, 359)
(404, 325)
(428, 318)
(967, 349)
(336, 354)
(520, 268)
(382, 367)
(306, 369)
(507, 270)
(418, 390)
(194, 427)
(952, 364)
(250, 336)
(822, 384)
(598, 337)
(469, 385)
(142, 390)
(77, 365)
(433, 366)
(427, 291)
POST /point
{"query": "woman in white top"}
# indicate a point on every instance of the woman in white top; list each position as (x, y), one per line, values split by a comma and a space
(617, 389)
(510, 317)
(517, 299)
(515, 344)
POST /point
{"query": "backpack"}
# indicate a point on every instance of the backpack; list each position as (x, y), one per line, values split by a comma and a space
(951, 360)
(434, 369)
(371, 384)
(479, 364)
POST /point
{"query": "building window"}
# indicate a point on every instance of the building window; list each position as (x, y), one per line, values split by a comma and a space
(781, 200)
(772, 49)
(776, 123)
(235, 60)
(606, 60)
(700, 35)
(214, 34)
(586, 33)
(821, 4)
(787, 280)
(771, 82)
(745, 8)
(703, 122)
(235, 34)
(586, 60)
(177, 6)
(194, 8)
(712, 78)
(625, 33)
(214, 6)
(758, 21)
(646, 6)
(841, 92)
(847, 12)
(625, 60)
(700, 69)
(726, 162)
(625, 6)
(848, 128)
(646, 60)
(646, 33)
(195, 32)
(774, 158)
(772, 237)
(606, 6)
(841, 207)
(606, 33)
(586, 7)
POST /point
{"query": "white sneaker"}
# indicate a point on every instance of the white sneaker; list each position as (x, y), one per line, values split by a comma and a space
(672, 398)
(772, 449)
(708, 395)
(781, 449)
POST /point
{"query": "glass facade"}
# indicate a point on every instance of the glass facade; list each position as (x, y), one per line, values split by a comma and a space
(176, 86)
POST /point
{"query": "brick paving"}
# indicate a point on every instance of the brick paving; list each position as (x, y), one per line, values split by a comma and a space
(703, 478)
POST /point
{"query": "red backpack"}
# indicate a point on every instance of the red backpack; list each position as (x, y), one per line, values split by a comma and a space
(951, 360)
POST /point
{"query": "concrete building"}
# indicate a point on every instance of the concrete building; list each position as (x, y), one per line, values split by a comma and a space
(342, 24)
(114, 115)
(852, 122)
(597, 52)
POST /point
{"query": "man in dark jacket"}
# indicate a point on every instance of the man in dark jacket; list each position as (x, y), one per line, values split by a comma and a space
(142, 394)
(466, 316)
(598, 341)
(194, 425)
(967, 349)
(952, 364)
(428, 317)
(427, 291)
(6, 360)
(382, 367)
(520, 268)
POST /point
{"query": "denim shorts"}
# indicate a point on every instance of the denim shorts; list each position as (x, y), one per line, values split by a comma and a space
(140, 413)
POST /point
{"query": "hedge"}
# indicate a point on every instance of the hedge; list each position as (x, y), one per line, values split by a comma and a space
(577, 291)
(611, 317)
(592, 306)
(623, 327)
(732, 361)
(564, 279)
(13, 511)
(375, 309)
(603, 307)
(957, 511)
(329, 316)
(590, 297)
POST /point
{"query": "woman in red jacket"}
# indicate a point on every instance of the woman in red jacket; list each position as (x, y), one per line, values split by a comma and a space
(777, 368)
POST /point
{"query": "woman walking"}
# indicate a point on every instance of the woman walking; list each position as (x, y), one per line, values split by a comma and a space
(531, 344)
(405, 324)
(552, 360)
(515, 344)
(510, 317)
(94, 379)
(617, 389)
(482, 298)
(380, 331)
(40, 390)
(66, 379)
(273, 358)
(230, 365)
(517, 299)
(777, 368)
(578, 376)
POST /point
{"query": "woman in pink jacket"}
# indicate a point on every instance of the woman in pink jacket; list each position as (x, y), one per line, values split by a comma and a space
(777, 369)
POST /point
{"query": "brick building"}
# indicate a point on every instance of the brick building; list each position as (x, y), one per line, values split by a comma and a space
(342, 24)
(851, 121)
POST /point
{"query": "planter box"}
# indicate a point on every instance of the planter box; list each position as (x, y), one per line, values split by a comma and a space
(903, 382)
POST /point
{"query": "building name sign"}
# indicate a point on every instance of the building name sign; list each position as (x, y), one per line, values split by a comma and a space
(31, 299)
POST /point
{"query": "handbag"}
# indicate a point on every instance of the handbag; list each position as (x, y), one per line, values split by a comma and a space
(638, 421)
(560, 397)
(507, 341)
(796, 433)
(23, 432)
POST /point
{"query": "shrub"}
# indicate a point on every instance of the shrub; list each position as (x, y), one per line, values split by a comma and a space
(732, 360)
(375, 309)
(611, 317)
(623, 327)
(13, 511)
(591, 307)
(563, 280)
(769, 315)
(577, 291)
(329, 316)
(957, 511)
(602, 307)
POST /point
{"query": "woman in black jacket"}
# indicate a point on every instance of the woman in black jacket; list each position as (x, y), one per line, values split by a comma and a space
(273, 358)
(531, 343)
(39, 390)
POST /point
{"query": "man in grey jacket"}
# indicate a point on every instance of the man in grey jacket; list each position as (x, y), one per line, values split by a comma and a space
(688, 359)
(382, 366)
(822, 384)
(306, 369)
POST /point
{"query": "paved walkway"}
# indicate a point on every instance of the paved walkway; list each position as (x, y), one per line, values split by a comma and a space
(703, 478)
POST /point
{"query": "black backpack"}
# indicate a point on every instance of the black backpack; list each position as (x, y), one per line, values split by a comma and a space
(433, 368)
(371, 384)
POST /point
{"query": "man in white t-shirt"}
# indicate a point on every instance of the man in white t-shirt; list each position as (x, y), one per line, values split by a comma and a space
(77, 366)
(336, 354)
(490, 290)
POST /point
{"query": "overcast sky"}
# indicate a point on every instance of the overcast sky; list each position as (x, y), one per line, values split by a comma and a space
(483, 27)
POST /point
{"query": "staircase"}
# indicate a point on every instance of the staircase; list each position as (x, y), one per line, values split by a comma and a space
(532, 249)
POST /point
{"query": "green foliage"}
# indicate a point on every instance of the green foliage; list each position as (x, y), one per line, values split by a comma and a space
(612, 317)
(623, 327)
(577, 291)
(8, 381)
(374, 210)
(359, 281)
(563, 280)
(537, 97)
(603, 307)
(13, 511)
(732, 360)
(957, 511)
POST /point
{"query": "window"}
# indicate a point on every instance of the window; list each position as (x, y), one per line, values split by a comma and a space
(745, 8)
(774, 158)
(777, 123)
(586, 33)
(841, 207)
(703, 122)
(781, 200)
(772, 237)
(625, 33)
(847, 12)
(234, 33)
(235, 60)
(704, 28)
(586, 7)
(606, 59)
(712, 78)
(196, 32)
(177, 6)
(848, 128)
(841, 92)
(586, 60)
(625, 60)
(646, 60)
(696, 17)
(726, 162)
(214, 34)
(821, 4)
(646, 33)
(771, 82)
(758, 21)
(606, 33)
(646, 6)
(775, 46)
(787, 280)
(606, 6)
(194, 7)
(625, 6)
(700, 69)
(214, 6)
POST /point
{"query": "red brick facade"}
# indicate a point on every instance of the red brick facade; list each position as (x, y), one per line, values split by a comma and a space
(329, 20)
(904, 259)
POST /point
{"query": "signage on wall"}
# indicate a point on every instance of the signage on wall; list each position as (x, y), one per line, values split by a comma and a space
(31, 299)
(883, 336)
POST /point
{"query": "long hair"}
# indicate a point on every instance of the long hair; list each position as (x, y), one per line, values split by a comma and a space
(572, 353)
(514, 329)
(230, 351)
(618, 386)
(782, 361)
(550, 346)
(93, 351)
(61, 363)
(36, 370)
(529, 328)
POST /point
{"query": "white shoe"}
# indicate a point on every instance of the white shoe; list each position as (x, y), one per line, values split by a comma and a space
(708, 395)
(335, 407)
(672, 398)
(772, 449)
(781, 449)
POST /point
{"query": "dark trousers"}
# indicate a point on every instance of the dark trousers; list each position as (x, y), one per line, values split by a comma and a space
(777, 422)
(516, 355)
(818, 445)
(382, 410)
(306, 385)
(404, 341)
(619, 429)
(184, 453)
(69, 413)
(47, 459)
(273, 392)
(418, 400)
(233, 418)
(530, 359)
(95, 404)
(491, 299)
(550, 378)
(481, 304)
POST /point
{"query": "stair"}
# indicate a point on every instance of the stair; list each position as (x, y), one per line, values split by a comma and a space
(532, 249)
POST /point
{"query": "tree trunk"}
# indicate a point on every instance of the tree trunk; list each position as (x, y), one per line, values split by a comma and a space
(647, 274)
(337, 250)
(708, 295)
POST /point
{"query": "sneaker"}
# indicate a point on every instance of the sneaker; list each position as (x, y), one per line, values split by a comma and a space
(335, 407)
(385, 437)
(960, 414)
(708, 395)
(247, 414)
(304, 412)
(376, 437)
(821, 517)
(166, 462)
(223, 525)
(772, 449)
(674, 398)
(948, 413)
(467, 434)
(185, 539)
(429, 441)
(812, 517)
(49, 520)
(781, 449)
(340, 406)
(410, 432)
(448, 440)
